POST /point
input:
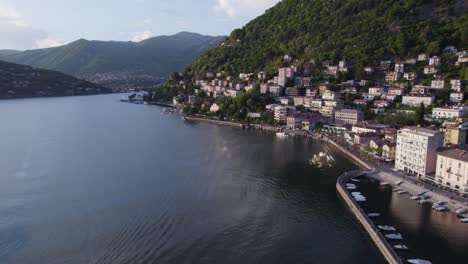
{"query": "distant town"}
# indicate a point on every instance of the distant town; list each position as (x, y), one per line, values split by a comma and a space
(408, 114)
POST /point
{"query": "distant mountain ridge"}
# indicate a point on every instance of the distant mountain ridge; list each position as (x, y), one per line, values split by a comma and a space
(117, 63)
(24, 81)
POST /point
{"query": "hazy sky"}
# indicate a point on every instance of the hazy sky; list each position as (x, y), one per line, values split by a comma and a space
(28, 24)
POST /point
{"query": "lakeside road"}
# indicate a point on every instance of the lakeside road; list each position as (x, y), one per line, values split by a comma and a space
(413, 189)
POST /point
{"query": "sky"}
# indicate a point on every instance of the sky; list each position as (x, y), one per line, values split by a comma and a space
(32, 24)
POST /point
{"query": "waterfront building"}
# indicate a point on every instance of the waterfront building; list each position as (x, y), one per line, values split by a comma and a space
(452, 168)
(294, 121)
(348, 116)
(214, 108)
(414, 100)
(364, 139)
(359, 129)
(416, 151)
(281, 113)
(449, 112)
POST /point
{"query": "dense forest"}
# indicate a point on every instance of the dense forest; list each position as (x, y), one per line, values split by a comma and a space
(360, 31)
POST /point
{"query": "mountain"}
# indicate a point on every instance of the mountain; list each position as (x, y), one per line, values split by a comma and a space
(361, 31)
(24, 81)
(115, 63)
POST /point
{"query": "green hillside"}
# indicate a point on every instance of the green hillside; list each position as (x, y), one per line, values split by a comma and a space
(108, 61)
(360, 31)
(24, 81)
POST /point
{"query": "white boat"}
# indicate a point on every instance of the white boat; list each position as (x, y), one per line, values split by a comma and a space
(351, 187)
(441, 208)
(402, 192)
(384, 183)
(281, 134)
(397, 190)
(394, 236)
(424, 201)
(439, 203)
(422, 193)
(386, 228)
(398, 182)
(355, 180)
(461, 211)
(373, 214)
(464, 220)
(401, 247)
(419, 261)
(415, 198)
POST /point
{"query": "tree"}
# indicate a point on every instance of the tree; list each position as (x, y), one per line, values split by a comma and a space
(420, 112)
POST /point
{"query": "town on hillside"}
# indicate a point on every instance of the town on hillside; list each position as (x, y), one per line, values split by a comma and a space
(410, 114)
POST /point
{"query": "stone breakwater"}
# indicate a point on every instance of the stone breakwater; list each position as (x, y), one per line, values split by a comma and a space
(379, 240)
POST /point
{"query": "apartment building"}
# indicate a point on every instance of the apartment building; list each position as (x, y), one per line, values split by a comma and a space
(452, 168)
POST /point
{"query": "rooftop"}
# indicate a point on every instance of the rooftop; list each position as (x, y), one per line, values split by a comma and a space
(459, 153)
(421, 130)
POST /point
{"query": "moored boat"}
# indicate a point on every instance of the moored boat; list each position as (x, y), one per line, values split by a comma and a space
(386, 228)
(419, 261)
(384, 183)
(282, 134)
(464, 220)
(461, 211)
(401, 247)
(373, 214)
(394, 236)
(415, 198)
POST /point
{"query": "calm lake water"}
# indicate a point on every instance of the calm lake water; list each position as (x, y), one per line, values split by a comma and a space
(92, 180)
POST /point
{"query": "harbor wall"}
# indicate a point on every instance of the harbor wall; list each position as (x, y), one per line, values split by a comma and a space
(217, 122)
(379, 240)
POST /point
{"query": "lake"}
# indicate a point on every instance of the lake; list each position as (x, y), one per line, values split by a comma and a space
(93, 180)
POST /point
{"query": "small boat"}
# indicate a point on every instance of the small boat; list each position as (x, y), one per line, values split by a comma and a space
(422, 193)
(386, 228)
(373, 214)
(439, 203)
(282, 134)
(384, 183)
(397, 190)
(394, 236)
(461, 211)
(355, 180)
(415, 198)
(401, 247)
(351, 187)
(402, 192)
(464, 220)
(424, 201)
(425, 196)
(398, 182)
(419, 261)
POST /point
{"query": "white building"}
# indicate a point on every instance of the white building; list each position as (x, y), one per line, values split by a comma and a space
(416, 151)
(399, 67)
(412, 100)
(456, 85)
(348, 116)
(281, 112)
(434, 61)
(452, 168)
(430, 70)
(376, 91)
(437, 84)
(330, 95)
(456, 97)
(449, 112)
(410, 76)
(214, 108)
(392, 76)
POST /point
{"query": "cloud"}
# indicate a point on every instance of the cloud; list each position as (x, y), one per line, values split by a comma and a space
(235, 8)
(48, 43)
(17, 34)
(140, 36)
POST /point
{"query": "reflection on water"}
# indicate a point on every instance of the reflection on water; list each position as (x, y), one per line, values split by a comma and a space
(437, 236)
(92, 180)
